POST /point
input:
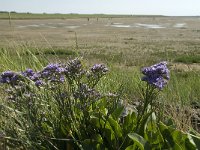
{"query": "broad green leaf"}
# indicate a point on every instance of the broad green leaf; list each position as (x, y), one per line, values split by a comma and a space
(139, 141)
(131, 147)
(98, 138)
(115, 126)
(117, 112)
(130, 122)
(177, 139)
(189, 143)
(105, 127)
(143, 124)
(96, 121)
(154, 137)
(196, 140)
(167, 136)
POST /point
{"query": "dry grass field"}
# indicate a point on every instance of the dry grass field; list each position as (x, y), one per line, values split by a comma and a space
(126, 44)
(128, 40)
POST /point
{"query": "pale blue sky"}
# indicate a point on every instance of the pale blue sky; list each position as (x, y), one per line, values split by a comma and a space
(148, 7)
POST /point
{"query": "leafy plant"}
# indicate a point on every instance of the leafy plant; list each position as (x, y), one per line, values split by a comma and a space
(59, 107)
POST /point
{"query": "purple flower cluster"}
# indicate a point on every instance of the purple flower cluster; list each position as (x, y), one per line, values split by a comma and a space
(34, 76)
(53, 73)
(96, 72)
(84, 92)
(50, 73)
(99, 69)
(156, 75)
(74, 68)
(9, 77)
(28, 73)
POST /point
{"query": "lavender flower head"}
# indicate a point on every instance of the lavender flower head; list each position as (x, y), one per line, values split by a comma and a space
(84, 92)
(38, 83)
(28, 73)
(53, 73)
(74, 67)
(99, 68)
(156, 75)
(51, 67)
(9, 77)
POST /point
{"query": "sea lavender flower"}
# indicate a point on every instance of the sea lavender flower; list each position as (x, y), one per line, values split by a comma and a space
(62, 78)
(84, 92)
(45, 73)
(53, 73)
(60, 70)
(99, 68)
(156, 75)
(9, 77)
(74, 66)
(39, 83)
(28, 73)
(35, 76)
(51, 67)
(74, 69)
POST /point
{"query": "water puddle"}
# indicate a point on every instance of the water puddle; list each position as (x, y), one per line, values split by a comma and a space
(72, 27)
(150, 26)
(51, 27)
(180, 25)
(136, 25)
(21, 26)
(33, 25)
(117, 23)
(121, 26)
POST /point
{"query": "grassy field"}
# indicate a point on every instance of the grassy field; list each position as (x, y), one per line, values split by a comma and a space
(124, 43)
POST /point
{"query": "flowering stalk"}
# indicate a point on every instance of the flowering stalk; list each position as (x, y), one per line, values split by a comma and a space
(156, 77)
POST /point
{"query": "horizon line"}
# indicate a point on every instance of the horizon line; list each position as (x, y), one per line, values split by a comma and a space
(2, 11)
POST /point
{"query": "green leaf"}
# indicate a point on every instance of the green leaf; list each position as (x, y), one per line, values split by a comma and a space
(143, 124)
(189, 143)
(177, 139)
(196, 140)
(130, 122)
(97, 122)
(117, 112)
(139, 141)
(115, 127)
(105, 127)
(90, 144)
(131, 147)
(98, 138)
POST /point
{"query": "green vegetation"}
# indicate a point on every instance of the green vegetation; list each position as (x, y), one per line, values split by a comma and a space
(188, 59)
(86, 110)
(162, 120)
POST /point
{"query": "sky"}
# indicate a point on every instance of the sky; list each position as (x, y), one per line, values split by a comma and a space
(134, 7)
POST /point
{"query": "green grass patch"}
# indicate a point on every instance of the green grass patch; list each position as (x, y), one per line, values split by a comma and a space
(188, 59)
(57, 52)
